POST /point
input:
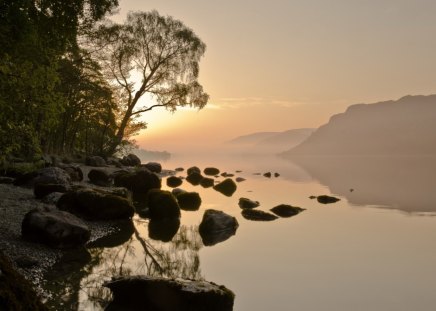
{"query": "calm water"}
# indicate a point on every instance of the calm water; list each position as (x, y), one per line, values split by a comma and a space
(373, 250)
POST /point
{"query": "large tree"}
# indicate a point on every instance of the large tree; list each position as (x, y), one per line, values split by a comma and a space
(150, 54)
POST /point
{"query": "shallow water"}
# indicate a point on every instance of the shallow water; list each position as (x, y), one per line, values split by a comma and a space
(373, 250)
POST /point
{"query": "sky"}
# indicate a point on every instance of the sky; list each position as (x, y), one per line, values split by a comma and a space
(283, 64)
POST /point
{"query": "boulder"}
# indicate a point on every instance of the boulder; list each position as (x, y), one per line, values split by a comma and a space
(52, 198)
(177, 191)
(174, 181)
(226, 187)
(325, 199)
(74, 171)
(189, 201)
(193, 169)
(114, 162)
(207, 182)
(257, 215)
(95, 161)
(217, 226)
(163, 230)
(100, 177)
(139, 181)
(136, 293)
(55, 228)
(162, 204)
(211, 171)
(268, 174)
(131, 160)
(52, 175)
(153, 167)
(194, 178)
(96, 204)
(247, 203)
(41, 190)
(284, 210)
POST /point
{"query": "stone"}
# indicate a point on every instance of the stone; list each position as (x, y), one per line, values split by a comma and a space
(52, 175)
(100, 177)
(226, 187)
(95, 161)
(217, 226)
(55, 228)
(284, 210)
(325, 199)
(207, 182)
(194, 178)
(225, 174)
(162, 204)
(193, 169)
(163, 230)
(153, 167)
(312, 197)
(174, 181)
(177, 191)
(41, 190)
(156, 293)
(189, 201)
(257, 215)
(131, 160)
(276, 175)
(74, 171)
(139, 181)
(211, 171)
(247, 203)
(179, 169)
(96, 204)
(240, 179)
(52, 198)
(268, 174)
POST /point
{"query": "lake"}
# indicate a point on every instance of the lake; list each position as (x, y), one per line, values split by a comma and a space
(372, 250)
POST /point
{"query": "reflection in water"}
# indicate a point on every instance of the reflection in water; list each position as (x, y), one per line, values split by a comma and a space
(404, 183)
(163, 230)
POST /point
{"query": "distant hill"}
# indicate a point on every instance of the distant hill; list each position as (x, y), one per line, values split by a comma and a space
(269, 142)
(403, 127)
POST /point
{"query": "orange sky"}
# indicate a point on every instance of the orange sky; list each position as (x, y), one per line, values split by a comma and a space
(283, 64)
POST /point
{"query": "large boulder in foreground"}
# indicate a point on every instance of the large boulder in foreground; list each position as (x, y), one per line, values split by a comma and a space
(136, 293)
(226, 187)
(55, 228)
(217, 227)
(139, 181)
(162, 205)
(96, 204)
(285, 210)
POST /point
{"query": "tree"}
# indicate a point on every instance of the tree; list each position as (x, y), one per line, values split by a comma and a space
(159, 51)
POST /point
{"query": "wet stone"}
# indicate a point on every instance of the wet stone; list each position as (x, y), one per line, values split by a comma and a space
(284, 210)
(207, 182)
(247, 203)
(226, 187)
(174, 181)
(257, 215)
(325, 199)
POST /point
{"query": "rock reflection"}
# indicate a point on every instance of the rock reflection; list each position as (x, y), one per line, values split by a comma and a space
(163, 230)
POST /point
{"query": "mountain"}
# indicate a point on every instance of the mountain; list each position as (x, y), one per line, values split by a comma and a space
(269, 142)
(403, 127)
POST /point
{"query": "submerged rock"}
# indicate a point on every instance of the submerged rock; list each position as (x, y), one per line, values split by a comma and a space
(325, 199)
(136, 293)
(252, 214)
(207, 182)
(217, 226)
(211, 171)
(55, 228)
(162, 205)
(174, 181)
(189, 201)
(247, 203)
(140, 181)
(163, 230)
(226, 187)
(284, 210)
(194, 178)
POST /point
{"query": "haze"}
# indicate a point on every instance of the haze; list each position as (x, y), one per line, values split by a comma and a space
(279, 65)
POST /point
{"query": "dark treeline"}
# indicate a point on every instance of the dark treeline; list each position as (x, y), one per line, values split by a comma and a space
(65, 75)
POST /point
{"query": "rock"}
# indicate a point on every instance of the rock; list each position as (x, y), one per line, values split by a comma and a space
(194, 178)
(284, 210)
(96, 204)
(325, 199)
(136, 293)
(163, 230)
(174, 181)
(179, 169)
(52, 198)
(95, 161)
(131, 160)
(207, 182)
(238, 171)
(121, 232)
(217, 227)
(52, 175)
(6, 180)
(312, 197)
(41, 190)
(100, 177)
(153, 167)
(177, 191)
(211, 171)
(240, 179)
(225, 174)
(247, 203)
(189, 201)
(140, 181)
(162, 204)
(268, 174)
(55, 228)
(276, 175)
(114, 162)
(74, 171)
(252, 214)
(25, 262)
(226, 187)
(193, 169)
